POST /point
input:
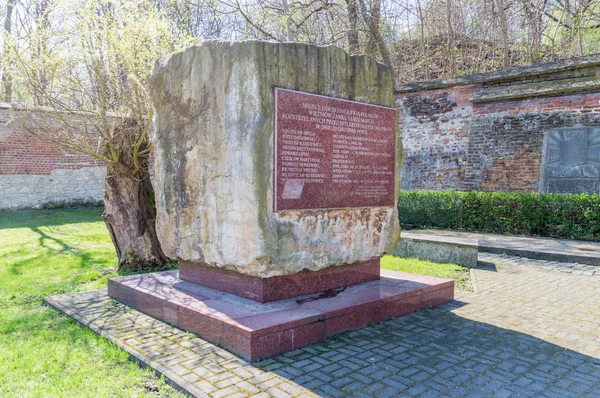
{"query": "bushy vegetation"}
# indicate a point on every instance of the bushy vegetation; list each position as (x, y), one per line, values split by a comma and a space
(549, 215)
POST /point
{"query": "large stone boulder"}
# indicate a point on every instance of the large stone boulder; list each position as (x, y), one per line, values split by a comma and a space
(213, 137)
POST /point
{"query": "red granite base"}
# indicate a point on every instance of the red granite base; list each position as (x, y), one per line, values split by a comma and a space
(265, 290)
(256, 331)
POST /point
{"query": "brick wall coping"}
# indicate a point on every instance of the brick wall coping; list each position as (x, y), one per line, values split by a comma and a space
(21, 107)
(503, 75)
(539, 89)
(4, 106)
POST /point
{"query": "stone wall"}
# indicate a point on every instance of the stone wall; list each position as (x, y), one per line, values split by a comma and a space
(34, 174)
(434, 128)
(486, 131)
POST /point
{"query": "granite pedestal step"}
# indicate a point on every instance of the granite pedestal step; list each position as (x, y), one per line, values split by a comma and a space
(254, 330)
(276, 288)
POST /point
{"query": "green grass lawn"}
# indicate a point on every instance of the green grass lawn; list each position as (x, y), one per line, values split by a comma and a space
(43, 353)
(46, 354)
(459, 273)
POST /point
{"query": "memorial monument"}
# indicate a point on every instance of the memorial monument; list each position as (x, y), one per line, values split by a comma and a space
(277, 177)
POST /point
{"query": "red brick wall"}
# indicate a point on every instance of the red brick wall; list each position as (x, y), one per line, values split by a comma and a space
(494, 146)
(23, 153)
(35, 173)
(506, 138)
(579, 103)
(434, 128)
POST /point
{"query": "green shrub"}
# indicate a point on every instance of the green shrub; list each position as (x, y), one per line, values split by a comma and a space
(551, 215)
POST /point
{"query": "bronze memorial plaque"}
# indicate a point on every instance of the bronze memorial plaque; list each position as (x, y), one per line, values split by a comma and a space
(332, 153)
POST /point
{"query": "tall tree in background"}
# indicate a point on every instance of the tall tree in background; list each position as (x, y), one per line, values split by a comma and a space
(322, 22)
(375, 16)
(353, 37)
(371, 18)
(6, 63)
(421, 39)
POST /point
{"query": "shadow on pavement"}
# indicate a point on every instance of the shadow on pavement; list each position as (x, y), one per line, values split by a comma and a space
(486, 266)
(436, 353)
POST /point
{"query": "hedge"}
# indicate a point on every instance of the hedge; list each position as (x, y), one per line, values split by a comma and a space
(571, 216)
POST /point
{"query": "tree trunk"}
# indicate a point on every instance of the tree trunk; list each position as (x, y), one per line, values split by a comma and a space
(130, 217)
(450, 46)
(290, 31)
(353, 41)
(42, 21)
(504, 32)
(7, 75)
(372, 45)
(374, 31)
(424, 57)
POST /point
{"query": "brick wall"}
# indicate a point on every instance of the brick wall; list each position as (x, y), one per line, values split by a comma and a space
(34, 173)
(486, 132)
(435, 135)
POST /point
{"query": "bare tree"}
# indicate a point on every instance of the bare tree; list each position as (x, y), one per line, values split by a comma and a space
(6, 58)
(353, 38)
(375, 33)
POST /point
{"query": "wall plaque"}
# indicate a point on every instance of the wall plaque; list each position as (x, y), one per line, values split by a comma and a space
(332, 153)
(571, 161)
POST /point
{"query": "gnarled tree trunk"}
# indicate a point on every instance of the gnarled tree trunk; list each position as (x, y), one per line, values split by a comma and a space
(129, 210)
(130, 216)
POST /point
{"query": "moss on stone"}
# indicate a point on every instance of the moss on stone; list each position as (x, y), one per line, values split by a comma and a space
(239, 79)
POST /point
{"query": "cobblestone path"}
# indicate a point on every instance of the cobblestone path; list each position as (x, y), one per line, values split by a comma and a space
(528, 330)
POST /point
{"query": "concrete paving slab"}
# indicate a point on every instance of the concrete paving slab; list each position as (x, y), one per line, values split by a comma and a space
(437, 248)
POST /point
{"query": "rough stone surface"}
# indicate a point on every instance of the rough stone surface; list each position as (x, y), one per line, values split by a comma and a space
(20, 191)
(213, 131)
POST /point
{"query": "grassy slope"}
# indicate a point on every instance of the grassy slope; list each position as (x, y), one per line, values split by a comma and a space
(459, 273)
(43, 353)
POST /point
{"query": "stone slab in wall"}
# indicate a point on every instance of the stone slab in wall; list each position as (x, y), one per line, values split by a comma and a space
(571, 161)
(213, 132)
(22, 191)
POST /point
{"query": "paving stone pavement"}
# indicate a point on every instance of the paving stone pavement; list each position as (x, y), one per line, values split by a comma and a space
(527, 331)
(580, 269)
